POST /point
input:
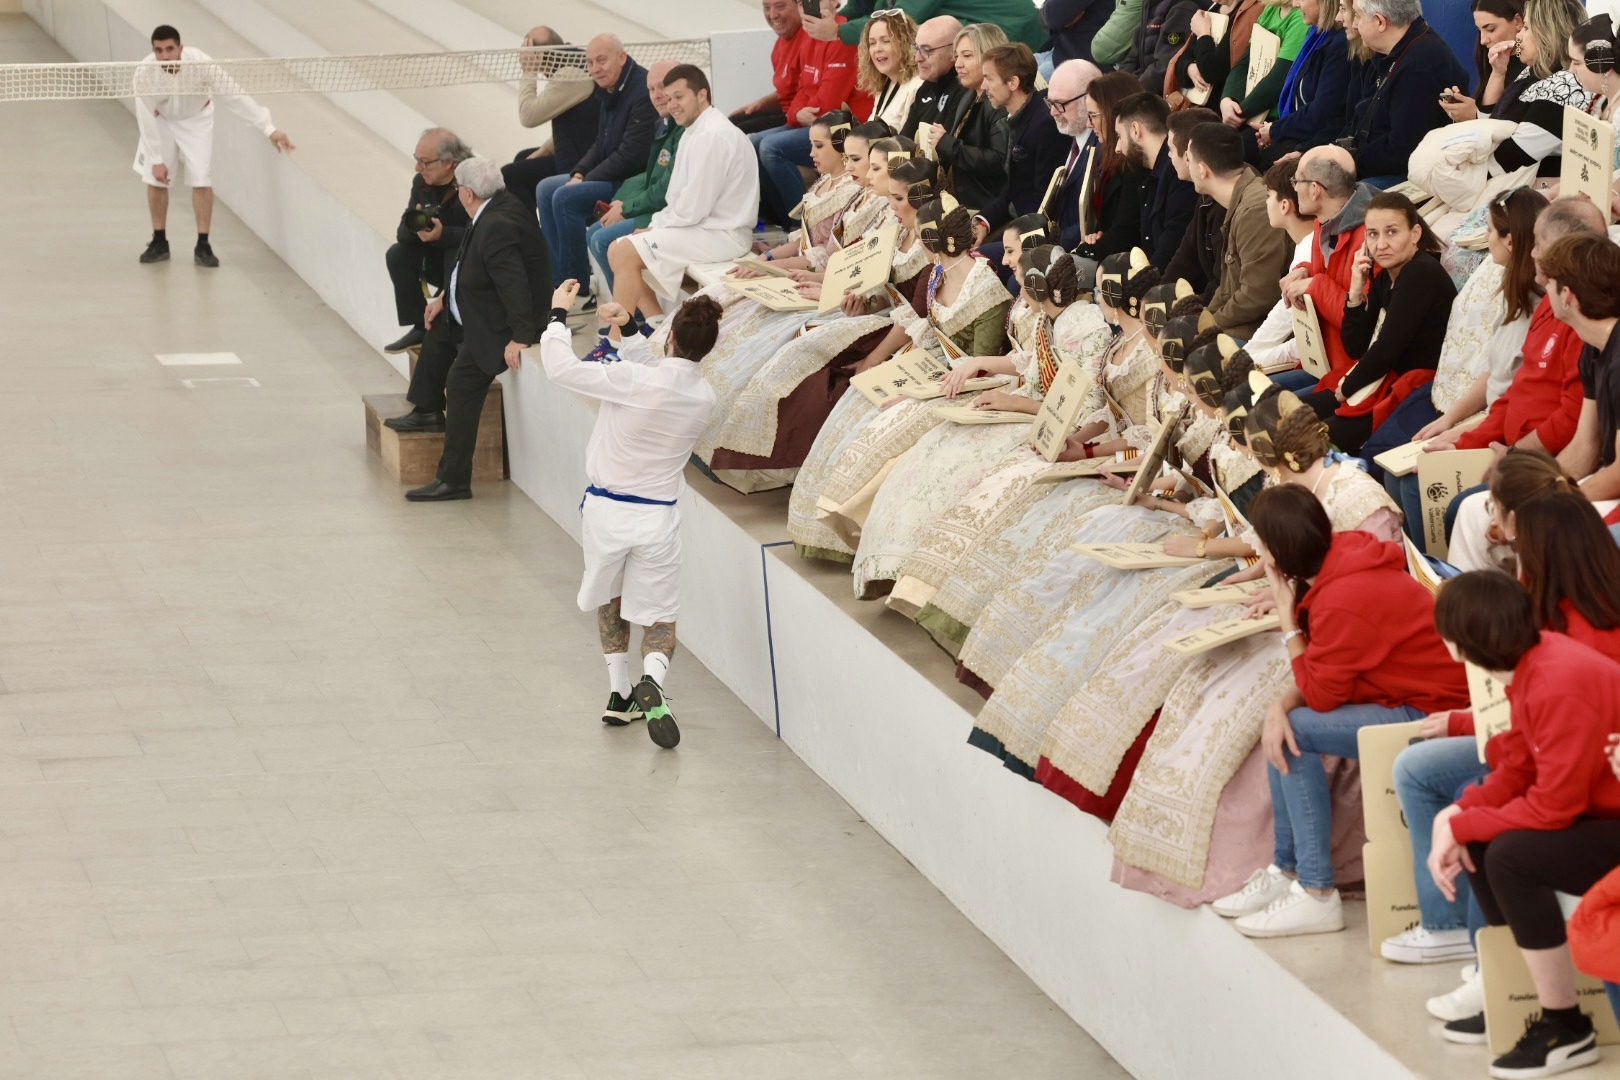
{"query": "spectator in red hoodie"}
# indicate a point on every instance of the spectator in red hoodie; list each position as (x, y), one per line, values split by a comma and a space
(1359, 631)
(811, 78)
(1594, 929)
(1547, 819)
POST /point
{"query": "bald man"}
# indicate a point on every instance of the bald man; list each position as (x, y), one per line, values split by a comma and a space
(554, 90)
(623, 136)
(941, 98)
(1066, 101)
(644, 194)
(1325, 185)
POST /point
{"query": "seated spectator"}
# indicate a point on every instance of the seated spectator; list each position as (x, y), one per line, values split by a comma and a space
(1254, 255)
(1020, 20)
(812, 77)
(1326, 184)
(565, 203)
(1199, 71)
(1310, 101)
(1497, 24)
(1036, 148)
(1547, 818)
(417, 256)
(568, 102)
(1394, 322)
(1244, 108)
(939, 96)
(1581, 271)
(770, 110)
(1362, 81)
(1116, 38)
(972, 150)
(644, 194)
(1066, 98)
(1196, 256)
(709, 210)
(1414, 64)
(1592, 52)
(1143, 123)
(1114, 217)
(1360, 635)
(1273, 344)
(1594, 929)
(886, 66)
(1074, 25)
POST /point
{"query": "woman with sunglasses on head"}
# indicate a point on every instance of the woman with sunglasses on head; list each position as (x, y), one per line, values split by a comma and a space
(886, 67)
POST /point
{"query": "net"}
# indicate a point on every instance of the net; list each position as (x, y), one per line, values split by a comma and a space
(318, 74)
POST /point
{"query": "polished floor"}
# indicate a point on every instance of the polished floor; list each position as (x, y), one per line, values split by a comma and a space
(298, 780)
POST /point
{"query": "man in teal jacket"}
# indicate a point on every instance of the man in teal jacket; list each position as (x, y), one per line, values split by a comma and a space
(1021, 19)
(642, 195)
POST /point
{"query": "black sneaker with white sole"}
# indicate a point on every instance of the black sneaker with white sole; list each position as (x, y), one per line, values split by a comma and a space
(1470, 1030)
(620, 710)
(655, 707)
(1548, 1047)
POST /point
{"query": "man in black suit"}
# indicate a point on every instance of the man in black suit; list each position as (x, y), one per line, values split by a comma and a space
(498, 292)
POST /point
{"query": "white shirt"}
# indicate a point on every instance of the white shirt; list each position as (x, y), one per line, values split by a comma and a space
(187, 94)
(455, 271)
(1273, 342)
(653, 412)
(715, 184)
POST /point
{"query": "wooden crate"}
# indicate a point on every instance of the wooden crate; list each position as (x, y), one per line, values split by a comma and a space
(413, 458)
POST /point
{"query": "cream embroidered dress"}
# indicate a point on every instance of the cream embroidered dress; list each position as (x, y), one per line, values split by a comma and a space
(859, 442)
(950, 460)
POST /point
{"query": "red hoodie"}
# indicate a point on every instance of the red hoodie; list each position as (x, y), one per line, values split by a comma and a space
(1606, 642)
(1370, 637)
(1545, 395)
(1330, 284)
(819, 75)
(1594, 930)
(1551, 765)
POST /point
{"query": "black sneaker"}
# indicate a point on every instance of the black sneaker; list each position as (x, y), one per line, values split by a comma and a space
(204, 256)
(156, 251)
(1548, 1047)
(1470, 1030)
(655, 707)
(621, 710)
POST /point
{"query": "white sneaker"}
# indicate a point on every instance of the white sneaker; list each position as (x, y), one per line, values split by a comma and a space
(1465, 1001)
(1423, 946)
(1257, 893)
(1294, 913)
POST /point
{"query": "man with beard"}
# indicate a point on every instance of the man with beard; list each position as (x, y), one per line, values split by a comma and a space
(1143, 125)
(941, 97)
(1037, 149)
(1066, 101)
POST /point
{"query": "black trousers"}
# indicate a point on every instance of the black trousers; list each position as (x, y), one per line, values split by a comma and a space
(439, 350)
(1519, 873)
(525, 172)
(1346, 432)
(465, 390)
(761, 121)
(409, 265)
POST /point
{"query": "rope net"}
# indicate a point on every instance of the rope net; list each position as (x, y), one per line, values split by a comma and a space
(317, 74)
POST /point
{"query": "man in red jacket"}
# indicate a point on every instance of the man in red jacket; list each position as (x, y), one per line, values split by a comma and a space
(1547, 818)
(811, 78)
(1325, 184)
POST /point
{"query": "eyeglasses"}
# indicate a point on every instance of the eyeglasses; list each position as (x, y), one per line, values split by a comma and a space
(925, 51)
(1093, 117)
(1296, 181)
(428, 162)
(1056, 106)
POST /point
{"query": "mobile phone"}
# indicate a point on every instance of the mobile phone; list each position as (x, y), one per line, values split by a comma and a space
(811, 8)
(1449, 98)
(599, 209)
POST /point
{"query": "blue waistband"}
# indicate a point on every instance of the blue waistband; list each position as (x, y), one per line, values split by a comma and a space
(619, 496)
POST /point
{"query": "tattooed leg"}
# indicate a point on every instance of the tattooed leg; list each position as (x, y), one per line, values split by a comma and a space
(659, 638)
(613, 630)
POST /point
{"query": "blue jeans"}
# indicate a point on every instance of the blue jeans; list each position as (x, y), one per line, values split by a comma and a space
(1614, 997)
(597, 239)
(1301, 804)
(1411, 416)
(1298, 381)
(565, 209)
(1427, 776)
(781, 151)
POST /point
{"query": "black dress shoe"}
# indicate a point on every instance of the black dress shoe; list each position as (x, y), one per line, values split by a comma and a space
(438, 491)
(413, 337)
(416, 421)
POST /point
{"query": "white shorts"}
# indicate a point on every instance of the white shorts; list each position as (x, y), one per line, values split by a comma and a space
(633, 551)
(188, 150)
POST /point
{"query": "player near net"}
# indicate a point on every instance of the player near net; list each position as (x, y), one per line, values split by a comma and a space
(174, 106)
(653, 411)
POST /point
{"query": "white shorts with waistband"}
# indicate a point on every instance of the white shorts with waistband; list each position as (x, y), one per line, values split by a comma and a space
(188, 150)
(634, 551)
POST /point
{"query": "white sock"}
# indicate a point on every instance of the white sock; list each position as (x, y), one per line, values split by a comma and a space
(656, 666)
(618, 665)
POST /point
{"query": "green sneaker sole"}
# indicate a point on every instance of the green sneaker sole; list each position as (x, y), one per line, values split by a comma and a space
(661, 726)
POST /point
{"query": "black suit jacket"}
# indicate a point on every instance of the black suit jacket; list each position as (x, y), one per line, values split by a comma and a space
(502, 281)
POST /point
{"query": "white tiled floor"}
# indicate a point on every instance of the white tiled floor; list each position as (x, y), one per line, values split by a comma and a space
(298, 780)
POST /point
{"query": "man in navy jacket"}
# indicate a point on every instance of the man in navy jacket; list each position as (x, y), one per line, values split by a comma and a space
(1143, 123)
(1036, 149)
(1414, 64)
(619, 152)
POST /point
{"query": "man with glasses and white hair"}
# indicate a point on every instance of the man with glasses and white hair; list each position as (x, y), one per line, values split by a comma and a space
(1413, 65)
(1066, 101)
(498, 294)
(429, 230)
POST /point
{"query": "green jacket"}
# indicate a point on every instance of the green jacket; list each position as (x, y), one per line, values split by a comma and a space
(1117, 35)
(643, 195)
(1019, 18)
(1289, 26)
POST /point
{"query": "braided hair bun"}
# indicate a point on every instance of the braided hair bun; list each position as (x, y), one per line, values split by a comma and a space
(945, 227)
(1176, 340)
(921, 178)
(1123, 280)
(1215, 370)
(1284, 432)
(1158, 301)
(838, 124)
(1033, 230)
(1050, 273)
